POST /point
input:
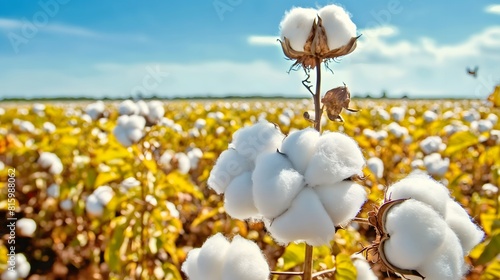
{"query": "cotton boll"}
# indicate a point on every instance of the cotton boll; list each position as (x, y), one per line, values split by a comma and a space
(95, 110)
(422, 188)
(275, 184)
(431, 144)
(229, 165)
(10, 275)
(244, 261)
(338, 25)
(337, 157)
(66, 204)
(53, 190)
(127, 107)
(492, 118)
(430, 116)
(484, 125)
(156, 111)
(51, 162)
(183, 163)
(93, 206)
(299, 147)
(104, 194)
(447, 262)
(26, 227)
(284, 120)
(256, 139)
(142, 108)
(172, 209)
(305, 220)
(398, 113)
(376, 166)
(190, 265)
(129, 183)
(436, 165)
(296, 26)
(460, 222)
(200, 123)
(49, 127)
(56, 168)
(397, 130)
(489, 189)
(238, 198)
(364, 271)
(342, 200)
(194, 156)
(212, 256)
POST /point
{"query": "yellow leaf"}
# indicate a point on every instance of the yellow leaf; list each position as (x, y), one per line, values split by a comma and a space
(460, 141)
(495, 97)
(104, 178)
(345, 268)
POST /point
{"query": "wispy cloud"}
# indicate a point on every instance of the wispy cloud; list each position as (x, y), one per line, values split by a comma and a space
(263, 40)
(15, 24)
(493, 9)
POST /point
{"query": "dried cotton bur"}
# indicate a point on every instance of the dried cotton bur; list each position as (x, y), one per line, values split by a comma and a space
(335, 100)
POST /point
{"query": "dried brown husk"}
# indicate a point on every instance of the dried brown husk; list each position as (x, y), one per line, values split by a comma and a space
(316, 46)
(335, 100)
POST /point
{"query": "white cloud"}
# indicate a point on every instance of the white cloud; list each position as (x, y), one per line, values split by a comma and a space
(17, 25)
(493, 9)
(263, 40)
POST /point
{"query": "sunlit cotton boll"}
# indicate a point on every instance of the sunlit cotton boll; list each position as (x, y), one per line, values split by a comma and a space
(460, 222)
(432, 144)
(49, 127)
(416, 230)
(436, 165)
(21, 269)
(26, 227)
(156, 111)
(95, 110)
(39, 109)
(296, 26)
(238, 198)
(422, 188)
(256, 139)
(53, 190)
(51, 162)
(244, 261)
(194, 155)
(25, 126)
(299, 147)
(376, 165)
(430, 116)
(97, 201)
(398, 113)
(397, 130)
(363, 268)
(336, 157)
(484, 125)
(129, 183)
(489, 189)
(129, 129)
(66, 204)
(183, 163)
(229, 165)
(338, 25)
(128, 107)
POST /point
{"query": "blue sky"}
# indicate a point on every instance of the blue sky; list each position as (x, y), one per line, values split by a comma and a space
(217, 47)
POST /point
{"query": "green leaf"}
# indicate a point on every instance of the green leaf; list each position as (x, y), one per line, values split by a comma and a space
(345, 269)
(491, 251)
(460, 141)
(293, 255)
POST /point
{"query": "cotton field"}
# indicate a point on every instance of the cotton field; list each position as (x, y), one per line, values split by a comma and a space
(133, 189)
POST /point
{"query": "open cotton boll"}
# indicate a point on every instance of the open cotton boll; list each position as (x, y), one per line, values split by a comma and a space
(447, 262)
(416, 231)
(127, 107)
(342, 200)
(306, 220)
(436, 165)
(129, 183)
(229, 165)
(190, 265)
(66, 204)
(460, 222)
(256, 139)
(376, 165)
(244, 261)
(422, 188)
(26, 227)
(484, 125)
(183, 163)
(398, 113)
(93, 206)
(51, 162)
(296, 26)
(431, 144)
(212, 256)
(299, 147)
(104, 194)
(95, 110)
(238, 198)
(142, 108)
(53, 190)
(338, 25)
(397, 130)
(49, 127)
(194, 156)
(156, 111)
(337, 157)
(363, 268)
(430, 116)
(275, 184)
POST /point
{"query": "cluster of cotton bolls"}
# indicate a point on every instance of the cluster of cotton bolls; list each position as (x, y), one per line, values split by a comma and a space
(129, 129)
(435, 164)
(153, 111)
(429, 231)
(98, 200)
(219, 259)
(95, 110)
(51, 162)
(183, 162)
(22, 268)
(296, 184)
(432, 144)
(484, 125)
(397, 130)
(376, 135)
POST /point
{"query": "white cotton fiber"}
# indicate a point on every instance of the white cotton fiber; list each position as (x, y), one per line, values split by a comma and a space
(398, 113)
(363, 268)
(256, 139)
(296, 26)
(229, 165)
(183, 163)
(238, 198)
(211, 257)
(436, 165)
(447, 262)
(190, 265)
(275, 184)
(306, 220)
(337, 157)
(338, 25)
(128, 107)
(93, 206)
(431, 144)
(376, 165)
(416, 231)
(299, 146)
(423, 188)
(460, 222)
(26, 227)
(244, 261)
(430, 116)
(342, 201)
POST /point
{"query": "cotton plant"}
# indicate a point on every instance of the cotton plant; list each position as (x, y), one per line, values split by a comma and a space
(51, 162)
(96, 202)
(129, 129)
